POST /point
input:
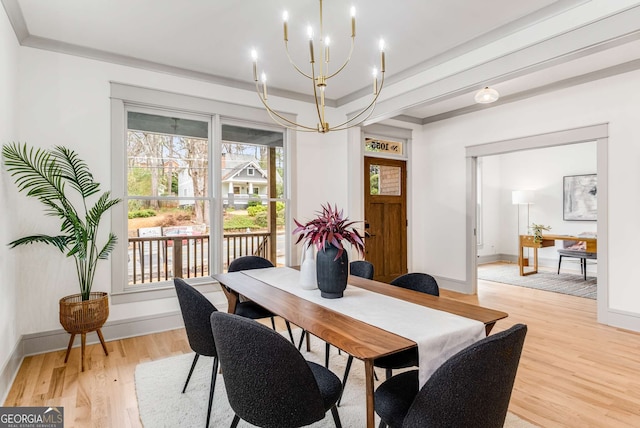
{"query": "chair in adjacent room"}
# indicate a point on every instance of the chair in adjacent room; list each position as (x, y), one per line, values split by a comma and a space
(423, 283)
(578, 250)
(247, 308)
(268, 382)
(196, 313)
(471, 389)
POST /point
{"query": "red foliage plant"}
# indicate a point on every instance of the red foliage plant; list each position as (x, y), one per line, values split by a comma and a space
(329, 227)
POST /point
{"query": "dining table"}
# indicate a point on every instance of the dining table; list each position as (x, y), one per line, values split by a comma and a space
(331, 321)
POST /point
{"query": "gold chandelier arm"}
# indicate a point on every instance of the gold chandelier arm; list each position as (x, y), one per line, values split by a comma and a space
(286, 48)
(315, 95)
(275, 114)
(369, 107)
(353, 42)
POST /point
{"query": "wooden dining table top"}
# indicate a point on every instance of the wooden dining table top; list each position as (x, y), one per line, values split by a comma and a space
(362, 340)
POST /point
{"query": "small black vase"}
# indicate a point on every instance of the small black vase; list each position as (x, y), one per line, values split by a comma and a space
(332, 274)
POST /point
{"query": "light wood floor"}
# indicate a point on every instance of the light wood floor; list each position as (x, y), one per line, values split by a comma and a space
(574, 372)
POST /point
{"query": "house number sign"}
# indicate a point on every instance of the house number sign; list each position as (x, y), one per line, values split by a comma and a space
(382, 146)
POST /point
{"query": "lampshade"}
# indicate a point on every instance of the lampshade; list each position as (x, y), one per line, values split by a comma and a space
(522, 197)
(486, 95)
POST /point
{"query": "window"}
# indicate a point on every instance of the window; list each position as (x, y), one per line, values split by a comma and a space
(167, 193)
(186, 210)
(254, 220)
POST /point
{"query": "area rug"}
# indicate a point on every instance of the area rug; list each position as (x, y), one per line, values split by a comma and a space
(565, 283)
(161, 404)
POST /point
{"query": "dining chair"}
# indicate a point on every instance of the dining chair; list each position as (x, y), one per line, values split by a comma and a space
(269, 383)
(196, 313)
(423, 283)
(361, 268)
(470, 389)
(247, 308)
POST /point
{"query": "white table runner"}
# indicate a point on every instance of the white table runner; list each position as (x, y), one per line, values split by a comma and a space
(439, 335)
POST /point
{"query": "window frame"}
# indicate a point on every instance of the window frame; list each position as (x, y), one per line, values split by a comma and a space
(125, 97)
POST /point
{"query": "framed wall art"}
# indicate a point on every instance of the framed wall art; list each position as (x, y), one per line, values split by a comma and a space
(580, 197)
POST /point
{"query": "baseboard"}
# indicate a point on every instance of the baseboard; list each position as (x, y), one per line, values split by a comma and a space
(10, 370)
(623, 319)
(54, 340)
(452, 284)
(493, 258)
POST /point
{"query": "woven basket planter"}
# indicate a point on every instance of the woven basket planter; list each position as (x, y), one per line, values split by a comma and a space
(79, 316)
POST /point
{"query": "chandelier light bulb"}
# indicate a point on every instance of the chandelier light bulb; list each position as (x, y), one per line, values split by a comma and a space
(319, 73)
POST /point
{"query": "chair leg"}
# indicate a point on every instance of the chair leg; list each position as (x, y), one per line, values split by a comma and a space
(304, 333)
(212, 389)
(234, 422)
(193, 366)
(584, 268)
(344, 378)
(290, 333)
(388, 373)
(336, 416)
(327, 347)
(273, 324)
(559, 263)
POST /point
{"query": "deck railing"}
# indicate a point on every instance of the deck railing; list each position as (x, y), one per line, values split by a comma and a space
(160, 258)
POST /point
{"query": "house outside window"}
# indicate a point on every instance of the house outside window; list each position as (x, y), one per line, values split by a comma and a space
(185, 213)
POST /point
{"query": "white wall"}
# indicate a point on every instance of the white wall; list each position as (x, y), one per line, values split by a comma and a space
(541, 171)
(65, 100)
(614, 100)
(9, 333)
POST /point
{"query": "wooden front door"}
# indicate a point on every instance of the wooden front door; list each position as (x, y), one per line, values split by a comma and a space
(385, 213)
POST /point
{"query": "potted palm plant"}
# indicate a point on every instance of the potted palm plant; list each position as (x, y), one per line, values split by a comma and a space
(327, 232)
(63, 183)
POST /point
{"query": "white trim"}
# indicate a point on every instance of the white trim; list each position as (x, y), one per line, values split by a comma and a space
(599, 133)
(10, 369)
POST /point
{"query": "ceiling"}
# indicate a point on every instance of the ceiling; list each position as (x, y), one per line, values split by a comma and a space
(212, 40)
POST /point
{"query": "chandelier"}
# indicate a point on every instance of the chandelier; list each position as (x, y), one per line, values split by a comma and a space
(319, 76)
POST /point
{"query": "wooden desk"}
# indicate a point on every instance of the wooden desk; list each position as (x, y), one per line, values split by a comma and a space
(357, 338)
(527, 241)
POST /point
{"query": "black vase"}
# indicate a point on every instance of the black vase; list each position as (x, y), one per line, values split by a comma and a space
(332, 274)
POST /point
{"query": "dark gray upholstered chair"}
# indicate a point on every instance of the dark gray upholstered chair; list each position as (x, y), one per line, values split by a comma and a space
(196, 313)
(423, 283)
(249, 309)
(361, 268)
(471, 389)
(575, 250)
(269, 383)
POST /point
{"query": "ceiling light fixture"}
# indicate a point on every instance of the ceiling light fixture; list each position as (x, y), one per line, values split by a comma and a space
(487, 95)
(319, 80)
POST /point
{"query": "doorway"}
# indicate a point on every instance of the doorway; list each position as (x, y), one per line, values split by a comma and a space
(385, 213)
(598, 133)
